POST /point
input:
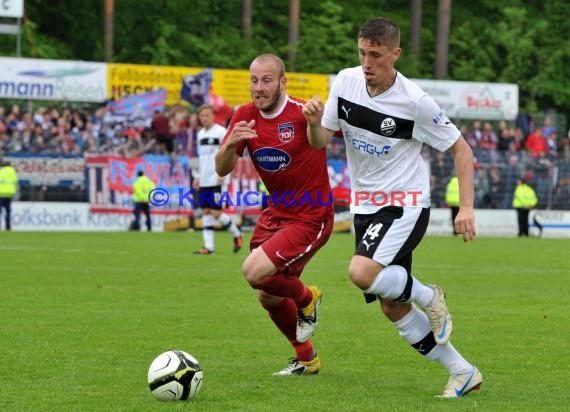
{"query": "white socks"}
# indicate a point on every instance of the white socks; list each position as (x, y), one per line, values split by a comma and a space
(208, 222)
(392, 283)
(415, 329)
(225, 220)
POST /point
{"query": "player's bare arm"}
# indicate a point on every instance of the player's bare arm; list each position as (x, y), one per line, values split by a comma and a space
(465, 221)
(317, 134)
(226, 156)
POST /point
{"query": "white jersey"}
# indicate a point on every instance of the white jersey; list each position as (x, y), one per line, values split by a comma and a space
(384, 136)
(208, 144)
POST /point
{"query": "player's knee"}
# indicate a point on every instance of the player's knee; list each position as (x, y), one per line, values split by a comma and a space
(253, 272)
(248, 271)
(258, 267)
(362, 271)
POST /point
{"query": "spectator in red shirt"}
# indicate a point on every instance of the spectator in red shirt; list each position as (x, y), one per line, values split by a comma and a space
(160, 126)
(536, 143)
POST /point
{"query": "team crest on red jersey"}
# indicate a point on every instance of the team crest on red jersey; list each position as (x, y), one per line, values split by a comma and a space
(286, 132)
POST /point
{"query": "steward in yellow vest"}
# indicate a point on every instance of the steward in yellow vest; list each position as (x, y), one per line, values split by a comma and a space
(452, 192)
(524, 200)
(452, 199)
(142, 188)
(8, 188)
(525, 196)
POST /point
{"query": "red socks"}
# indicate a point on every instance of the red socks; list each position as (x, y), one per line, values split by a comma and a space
(284, 315)
(286, 287)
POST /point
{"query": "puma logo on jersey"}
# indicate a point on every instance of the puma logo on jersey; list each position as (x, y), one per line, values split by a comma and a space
(345, 111)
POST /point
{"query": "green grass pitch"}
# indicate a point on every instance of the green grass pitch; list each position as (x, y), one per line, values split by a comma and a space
(84, 314)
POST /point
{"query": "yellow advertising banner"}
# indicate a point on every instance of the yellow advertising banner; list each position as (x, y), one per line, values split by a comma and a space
(232, 85)
(306, 85)
(127, 79)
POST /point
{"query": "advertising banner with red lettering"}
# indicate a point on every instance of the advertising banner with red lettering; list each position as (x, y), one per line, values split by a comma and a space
(110, 180)
(159, 168)
(474, 100)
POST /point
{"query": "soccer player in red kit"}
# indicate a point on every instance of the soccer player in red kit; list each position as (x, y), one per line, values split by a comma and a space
(300, 215)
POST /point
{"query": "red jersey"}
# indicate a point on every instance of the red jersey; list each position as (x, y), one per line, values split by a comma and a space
(294, 172)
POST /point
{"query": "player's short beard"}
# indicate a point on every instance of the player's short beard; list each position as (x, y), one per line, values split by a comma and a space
(273, 102)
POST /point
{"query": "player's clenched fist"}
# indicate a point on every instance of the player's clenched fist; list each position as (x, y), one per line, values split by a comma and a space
(313, 110)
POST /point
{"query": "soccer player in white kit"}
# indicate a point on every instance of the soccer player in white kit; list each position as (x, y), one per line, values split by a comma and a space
(210, 184)
(385, 119)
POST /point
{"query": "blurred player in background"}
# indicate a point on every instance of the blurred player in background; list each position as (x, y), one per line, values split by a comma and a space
(386, 119)
(288, 232)
(210, 184)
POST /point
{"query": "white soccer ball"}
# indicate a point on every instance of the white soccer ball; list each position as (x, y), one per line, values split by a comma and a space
(175, 375)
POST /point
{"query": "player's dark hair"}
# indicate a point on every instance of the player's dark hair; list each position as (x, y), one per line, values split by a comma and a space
(381, 31)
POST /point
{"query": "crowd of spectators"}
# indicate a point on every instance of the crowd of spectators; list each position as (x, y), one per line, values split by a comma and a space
(75, 132)
(504, 152)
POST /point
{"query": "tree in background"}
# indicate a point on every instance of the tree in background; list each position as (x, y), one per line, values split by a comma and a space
(521, 41)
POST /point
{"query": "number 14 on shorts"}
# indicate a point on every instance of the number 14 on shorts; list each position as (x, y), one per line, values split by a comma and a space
(373, 231)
